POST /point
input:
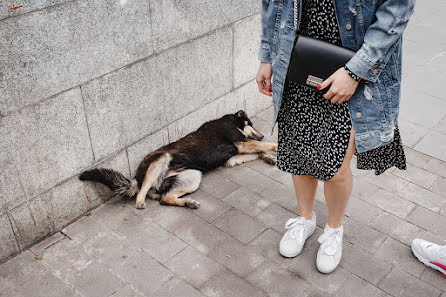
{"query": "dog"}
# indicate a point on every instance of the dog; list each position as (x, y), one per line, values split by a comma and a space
(176, 169)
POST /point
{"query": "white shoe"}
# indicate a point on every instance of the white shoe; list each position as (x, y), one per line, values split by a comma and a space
(430, 254)
(298, 230)
(330, 251)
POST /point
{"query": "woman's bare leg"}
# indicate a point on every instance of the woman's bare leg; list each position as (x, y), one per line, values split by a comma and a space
(305, 187)
(338, 189)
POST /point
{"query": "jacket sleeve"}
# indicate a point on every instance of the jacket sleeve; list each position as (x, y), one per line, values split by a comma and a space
(265, 38)
(380, 38)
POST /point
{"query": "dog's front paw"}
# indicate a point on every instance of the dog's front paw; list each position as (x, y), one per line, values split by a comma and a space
(140, 205)
(270, 159)
(274, 147)
(194, 204)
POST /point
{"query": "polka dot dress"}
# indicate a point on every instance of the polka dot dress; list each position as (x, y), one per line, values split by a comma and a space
(313, 132)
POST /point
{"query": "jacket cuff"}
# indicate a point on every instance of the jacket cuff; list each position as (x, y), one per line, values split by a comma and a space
(364, 67)
(264, 53)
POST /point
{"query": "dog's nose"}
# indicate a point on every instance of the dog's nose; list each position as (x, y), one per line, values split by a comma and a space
(260, 136)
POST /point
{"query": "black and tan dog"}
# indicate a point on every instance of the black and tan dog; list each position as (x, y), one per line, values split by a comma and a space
(176, 169)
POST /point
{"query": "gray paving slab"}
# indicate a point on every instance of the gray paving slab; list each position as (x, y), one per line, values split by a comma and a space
(227, 284)
(401, 283)
(193, 266)
(211, 208)
(243, 199)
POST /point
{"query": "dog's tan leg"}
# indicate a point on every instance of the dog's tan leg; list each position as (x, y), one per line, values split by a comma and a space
(153, 173)
(268, 158)
(240, 159)
(187, 181)
(255, 146)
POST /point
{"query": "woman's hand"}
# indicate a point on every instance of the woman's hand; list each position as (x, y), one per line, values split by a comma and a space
(263, 78)
(343, 86)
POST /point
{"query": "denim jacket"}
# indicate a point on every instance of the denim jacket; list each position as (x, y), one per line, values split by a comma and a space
(372, 28)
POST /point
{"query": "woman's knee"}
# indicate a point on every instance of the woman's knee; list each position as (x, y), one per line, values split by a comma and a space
(343, 175)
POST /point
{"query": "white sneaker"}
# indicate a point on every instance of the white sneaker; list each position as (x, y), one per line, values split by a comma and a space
(430, 254)
(298, 230)
(330, 251)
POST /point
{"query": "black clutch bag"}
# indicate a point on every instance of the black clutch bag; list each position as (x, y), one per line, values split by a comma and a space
(314, 60)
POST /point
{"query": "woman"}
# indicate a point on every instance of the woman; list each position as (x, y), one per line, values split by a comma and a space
(318, 134)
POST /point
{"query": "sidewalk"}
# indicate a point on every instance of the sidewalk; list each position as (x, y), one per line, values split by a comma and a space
(229, 246)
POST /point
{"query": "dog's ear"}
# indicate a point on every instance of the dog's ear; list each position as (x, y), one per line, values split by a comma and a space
(240, 113)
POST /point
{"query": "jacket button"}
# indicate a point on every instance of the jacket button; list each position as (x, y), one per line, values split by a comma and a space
(366, 143)
(358, 114)
(348, 26)
(374, 71)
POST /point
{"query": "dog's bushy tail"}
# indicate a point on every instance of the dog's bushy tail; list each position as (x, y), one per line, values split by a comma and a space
(118, 183)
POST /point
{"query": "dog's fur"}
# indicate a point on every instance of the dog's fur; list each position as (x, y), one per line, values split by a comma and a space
(176, 169)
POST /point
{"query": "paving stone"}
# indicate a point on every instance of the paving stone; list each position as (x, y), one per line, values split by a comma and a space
(387, 181)
(267, 244)
(86, 228)
(210, 207)
(396, 228)
(277, 281)
(362, 235)
(439, 185)
(358, 287)
(246, 44)
(237, 257)
(217, 185)
(31, 222)
(285, 197)
(372, 268)
(110, 249)
(435, 278)
(200, 234)
(362, 188)
(62, 137)
(95, 279)
(265, 168)
(176, 287)
(227, 284)
(246, 201)
(410, 132)
(304, 265)
(418, 158)
(19, 270)
(391, 203)
(9, 246)
(169, 217)
(401, 256)
(239, 225)
(144, 273)
(436, 166)
(275, 217)
(428, 220)
(422, 196)
(321, 211)
(46, 284)
(127, 291)
(52, 42)
(401, 283)
(159, 243)
(40, 247)
(249, 178)
(433, 144)
(193, 267)
(416, 175)
(361, 210)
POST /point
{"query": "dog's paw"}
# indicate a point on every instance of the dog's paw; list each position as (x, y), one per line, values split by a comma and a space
(194, 204)
(270, 159)
(274, 147)
(140, 205)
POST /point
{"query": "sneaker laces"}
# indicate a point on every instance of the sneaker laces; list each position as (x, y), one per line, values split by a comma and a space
(329, 241)
(297, 226)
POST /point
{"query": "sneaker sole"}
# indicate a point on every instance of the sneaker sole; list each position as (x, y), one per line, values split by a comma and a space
(427, 262)
(296, 254)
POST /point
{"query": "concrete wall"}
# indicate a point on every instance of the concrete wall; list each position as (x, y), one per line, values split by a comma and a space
(102, 83)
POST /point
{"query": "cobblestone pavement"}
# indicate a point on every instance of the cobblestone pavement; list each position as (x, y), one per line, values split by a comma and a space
(229, 246)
